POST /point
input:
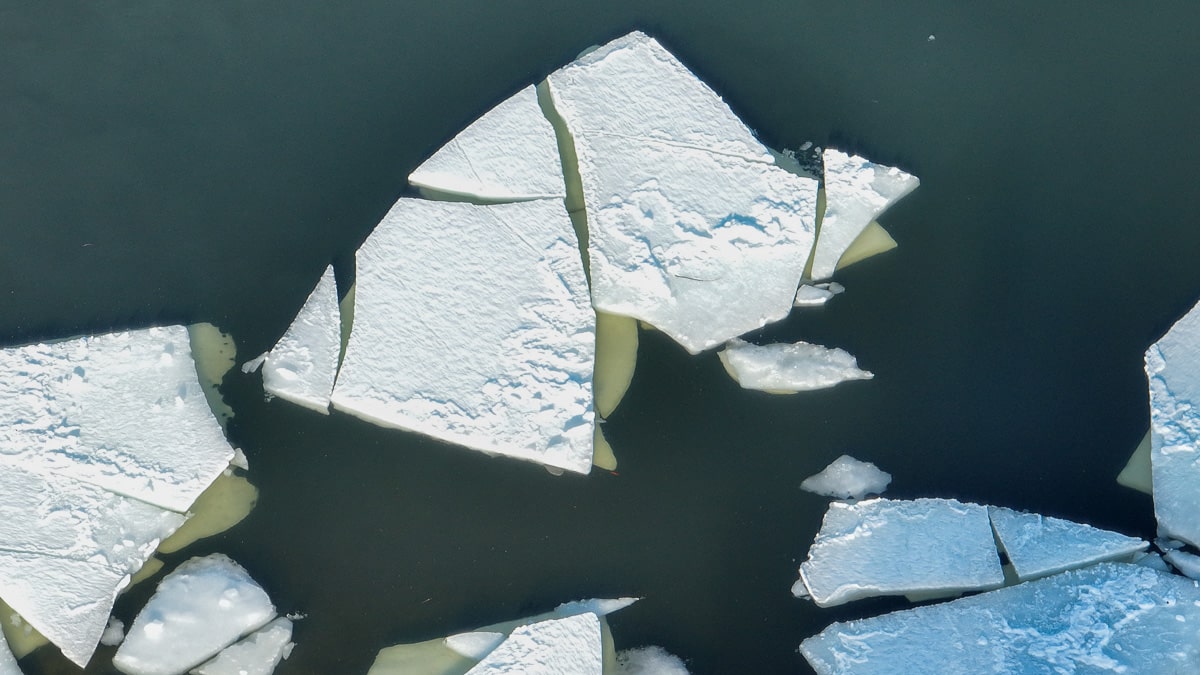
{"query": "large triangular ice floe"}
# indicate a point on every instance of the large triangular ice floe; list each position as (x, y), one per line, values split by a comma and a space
(551, 647)
(301, 367)
(1039, 546)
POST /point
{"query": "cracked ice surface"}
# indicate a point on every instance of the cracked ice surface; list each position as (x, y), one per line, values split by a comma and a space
(1039, 546)
(301, 367)
(692, 228)
(1173, 368)
(551, 647)
(257, 654)
(886, 547)
(472, 325)
(1108, 618)
(788, 368)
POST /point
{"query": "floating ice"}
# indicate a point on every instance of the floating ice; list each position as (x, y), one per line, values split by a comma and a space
(301, 367)
(257, 654)
(848, 478)
(114, 632)
(857, 191)
(649, 661)
(484, 338)
(1188, 564)
(1109, 617)
(475, 645)
(1173, 367)
(508, 154)
(691, 226)
(789, 368)
(8, 663)
(816, 295)
(886, 547)
(1039, 546)
(205, 605)
(551, 647)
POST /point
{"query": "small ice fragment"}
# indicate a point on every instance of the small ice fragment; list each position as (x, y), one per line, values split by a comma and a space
(475, 645)
(1038, 546)
(799, 590)
(257, 654)
(1168, 544)
(857, 191)
(1173, 368)
(848, 478)
(892, 547)
(1151, 560)
(551, 647)
(597, 606)
(806, 145)
(114, 633)
(816, 295)
(788, 368)
(239, 460)
(205, 605)
(508, 154)
(931, 38)
(1188, 564)
(255, 363)
(649, 661)
(1109, 617)
(302, 366)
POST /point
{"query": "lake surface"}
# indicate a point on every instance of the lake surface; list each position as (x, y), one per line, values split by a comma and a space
(169, 162)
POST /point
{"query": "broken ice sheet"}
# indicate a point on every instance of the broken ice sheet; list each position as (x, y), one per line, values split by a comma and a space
(783, 368)
(1110, 617)
(649, 661)
(8, 663)
(301, 367)
(1173, 368)
(551, 647)
(847, 478)
(257, 654)
(816, 295)
(892, 547)
(485, 338)
(1039, 546)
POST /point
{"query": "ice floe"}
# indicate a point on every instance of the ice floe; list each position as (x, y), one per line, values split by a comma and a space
(894, 547)
(1039, 546)
(485, 338)
(301, 367)
(8, 662)
(848, 478)
(649, 661)
(1188, 564)
(568, 645)
(816, 295)
(257, 654)
(1110, 617)
(784, 368)
(1173, 368)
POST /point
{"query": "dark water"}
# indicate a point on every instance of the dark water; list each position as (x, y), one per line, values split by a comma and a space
(167, 162)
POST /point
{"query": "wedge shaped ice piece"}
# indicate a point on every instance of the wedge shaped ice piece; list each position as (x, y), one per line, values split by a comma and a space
(1038, 546)
(203, 606)
(1137, 473)
(892, 547)
(1173, 366)
(472, 325)
(847, 478)
(257, 654)
(301, 367)
(691, 228)
(551, 647)
(123, 411)
(783, 368)
(508, 154)
(1108, 618)
(857, 191)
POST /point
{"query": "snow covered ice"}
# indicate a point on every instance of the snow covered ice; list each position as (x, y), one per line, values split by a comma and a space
(847, 478)
(8, 663)
(1039, 546)
(1107, 618)
(552, 647)
(816, 295)
(649, 661)
(1173, 368)
(784, 368)
(301, 367)
(257, 654)
(893, 547)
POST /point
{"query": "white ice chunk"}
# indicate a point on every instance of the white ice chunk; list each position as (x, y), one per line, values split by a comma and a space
(887, 547)
(848, 478)
(114, 632)
(692, 228)
(552, 647)
(1038, 546)
(649, 661)
(476, 644)
(123, 411)
(8, 662)
(787, 368)
(856, 191)
(597, 606)
(1173, 366)
(257, 654)
(301, 367)
(816, 295)
(205, 605)
(1108, 618)
(1188, 564)
(472, 324)
(508, 154)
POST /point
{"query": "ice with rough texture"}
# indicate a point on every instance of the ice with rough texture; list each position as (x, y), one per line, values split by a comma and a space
(508, 154)
(649, 661)
(301, 367)
(203, 606)
(1039, 546)
(786, 368)
(692, 228)
(856, 191)
(1188, 564)
(551, 647)
(257, 654)
(1173, 367)
(892, 547)
(848, 478)
(816, 295)
(8, 662)
(1108, 618)
(114, 632)
(485, 338)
